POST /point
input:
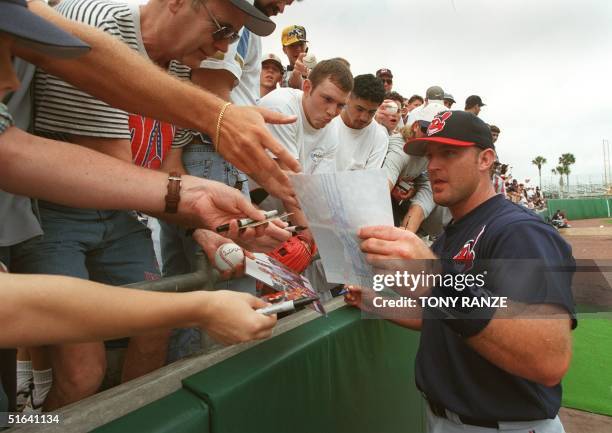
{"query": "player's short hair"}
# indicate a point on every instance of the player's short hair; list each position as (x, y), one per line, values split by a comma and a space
(336, 71)
(370, 88)
(494, 128)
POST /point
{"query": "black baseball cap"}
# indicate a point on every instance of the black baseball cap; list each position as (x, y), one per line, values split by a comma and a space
(384, 72)
(34, 32)
(455, 128)
(473, 100)
(257, 22)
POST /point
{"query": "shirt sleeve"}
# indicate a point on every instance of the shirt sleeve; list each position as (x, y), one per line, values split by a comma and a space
(396, 159)
(377, 157)
(533, 264)
(424, 195)
(284, 134)
(62, 108)
(6, 120)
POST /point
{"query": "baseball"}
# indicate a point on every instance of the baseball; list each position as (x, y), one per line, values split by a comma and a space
(228, 257)
(310, 61)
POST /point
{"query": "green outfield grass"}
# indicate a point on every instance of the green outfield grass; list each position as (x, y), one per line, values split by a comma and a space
(588, 384)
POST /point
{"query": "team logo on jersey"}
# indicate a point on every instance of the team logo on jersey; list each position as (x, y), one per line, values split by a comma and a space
(438, 123)
(467, 254)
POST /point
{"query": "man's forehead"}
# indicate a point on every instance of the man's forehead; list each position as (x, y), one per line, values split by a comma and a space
(328, 88)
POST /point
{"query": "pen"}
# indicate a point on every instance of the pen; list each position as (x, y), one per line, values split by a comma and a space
(295, 229)
(244, 221)
(285, 306)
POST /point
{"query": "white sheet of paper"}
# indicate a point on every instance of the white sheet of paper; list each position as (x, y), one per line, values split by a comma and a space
(337, 205)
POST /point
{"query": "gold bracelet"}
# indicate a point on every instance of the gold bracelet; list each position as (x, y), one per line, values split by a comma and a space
(219, 123)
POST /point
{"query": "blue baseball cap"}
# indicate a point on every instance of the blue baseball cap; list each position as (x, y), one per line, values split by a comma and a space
(36, 33)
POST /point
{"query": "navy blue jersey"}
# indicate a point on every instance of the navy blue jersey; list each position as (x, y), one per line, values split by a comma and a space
(534, 265)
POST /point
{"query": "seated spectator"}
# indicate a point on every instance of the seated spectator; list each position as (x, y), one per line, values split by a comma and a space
(559, 220)
(272, 71)
(362, 143)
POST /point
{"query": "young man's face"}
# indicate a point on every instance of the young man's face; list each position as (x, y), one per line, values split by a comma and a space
(323, 103)
(454, 172)
(448, 103)
(8, 79)
(293, 51)
(495, 136)
(192, 28)
(359, 112)
(271, 75)
(413, 105)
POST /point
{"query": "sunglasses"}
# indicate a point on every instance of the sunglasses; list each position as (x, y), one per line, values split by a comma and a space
(387, 80)
(223, 32)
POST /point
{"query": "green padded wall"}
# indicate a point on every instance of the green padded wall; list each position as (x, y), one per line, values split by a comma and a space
(332, 375)
(576, 209)
(180, 411)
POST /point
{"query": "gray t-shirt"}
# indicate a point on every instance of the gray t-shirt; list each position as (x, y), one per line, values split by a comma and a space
(18, 221)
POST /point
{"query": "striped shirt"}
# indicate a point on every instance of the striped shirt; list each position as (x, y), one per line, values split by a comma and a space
(62, 109)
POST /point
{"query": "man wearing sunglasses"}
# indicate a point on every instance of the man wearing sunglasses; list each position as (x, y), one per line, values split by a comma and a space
(386, 76)
(110, 245)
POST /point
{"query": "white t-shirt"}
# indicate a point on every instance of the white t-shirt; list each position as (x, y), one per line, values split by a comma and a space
(315, 149)
(243, 60)
(360, 149)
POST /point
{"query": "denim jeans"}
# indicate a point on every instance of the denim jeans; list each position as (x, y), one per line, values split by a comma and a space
(106, 246)
(178, 250)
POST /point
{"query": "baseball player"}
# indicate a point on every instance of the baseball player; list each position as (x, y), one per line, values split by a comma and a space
(481, 366)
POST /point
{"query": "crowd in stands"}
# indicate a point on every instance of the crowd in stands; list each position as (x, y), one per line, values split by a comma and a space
(150, 109)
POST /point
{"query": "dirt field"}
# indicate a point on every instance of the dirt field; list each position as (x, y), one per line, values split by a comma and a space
(590, 241)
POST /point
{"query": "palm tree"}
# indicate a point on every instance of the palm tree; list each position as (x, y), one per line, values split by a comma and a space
(560, 170)
(566, 160)
(539, 161)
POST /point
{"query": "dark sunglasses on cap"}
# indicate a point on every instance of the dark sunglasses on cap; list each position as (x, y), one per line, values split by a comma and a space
(223, 32)
(387, 80)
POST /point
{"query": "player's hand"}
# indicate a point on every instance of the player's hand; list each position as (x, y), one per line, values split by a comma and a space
(230, 317)
(210, 242)
(244, 140)
(393, 248)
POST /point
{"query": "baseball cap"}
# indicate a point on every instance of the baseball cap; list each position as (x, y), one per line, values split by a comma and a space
(384, 72)
(455, 128)
(424, 114)
(293, 34)
(257, 22)
(449, 97)
(435, 93)
(473, 100)
(275, 59)
(34, 32)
